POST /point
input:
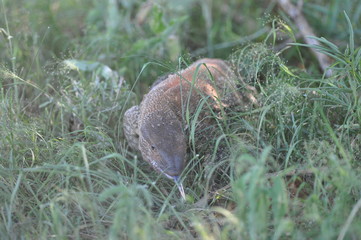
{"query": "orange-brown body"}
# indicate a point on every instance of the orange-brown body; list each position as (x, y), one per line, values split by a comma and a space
(157, 127)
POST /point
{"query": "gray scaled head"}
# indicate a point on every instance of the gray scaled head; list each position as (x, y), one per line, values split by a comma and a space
(162, 143)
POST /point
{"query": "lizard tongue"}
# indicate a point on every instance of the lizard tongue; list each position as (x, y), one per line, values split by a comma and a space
(180, 186)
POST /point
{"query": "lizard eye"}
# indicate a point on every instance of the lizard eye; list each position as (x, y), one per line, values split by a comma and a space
(152, 147)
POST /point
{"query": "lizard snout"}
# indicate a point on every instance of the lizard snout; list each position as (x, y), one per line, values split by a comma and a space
(173, 162)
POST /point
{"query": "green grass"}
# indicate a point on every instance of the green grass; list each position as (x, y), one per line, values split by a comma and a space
(288, 169)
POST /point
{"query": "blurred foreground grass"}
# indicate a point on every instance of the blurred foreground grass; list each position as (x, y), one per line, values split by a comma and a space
(69, 69)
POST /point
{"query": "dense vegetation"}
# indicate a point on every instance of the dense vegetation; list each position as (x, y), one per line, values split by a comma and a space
(288, 169)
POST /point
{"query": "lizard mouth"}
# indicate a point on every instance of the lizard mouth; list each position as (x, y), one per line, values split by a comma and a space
(180, 186)
(178, 183)
(176, 178)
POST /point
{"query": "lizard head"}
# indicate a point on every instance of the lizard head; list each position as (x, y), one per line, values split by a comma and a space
(162, 143)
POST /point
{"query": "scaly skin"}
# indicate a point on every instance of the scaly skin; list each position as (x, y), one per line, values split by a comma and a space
(157, 127)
